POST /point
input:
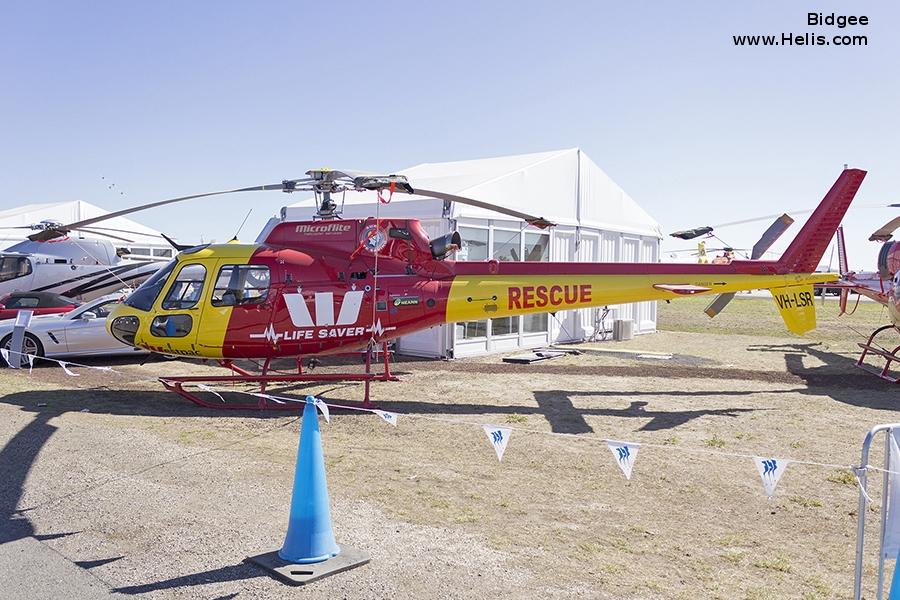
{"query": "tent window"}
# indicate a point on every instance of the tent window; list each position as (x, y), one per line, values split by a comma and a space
(471, 330)
(537, 246)
(237, 285)
(535, 323)
(507, 245)
(474, 244)
(504, 325)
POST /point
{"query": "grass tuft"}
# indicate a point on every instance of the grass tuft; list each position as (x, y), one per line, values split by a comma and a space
(715, 442)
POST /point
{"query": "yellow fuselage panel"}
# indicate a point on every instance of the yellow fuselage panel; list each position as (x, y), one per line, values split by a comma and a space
(479, 297)
(210, 323)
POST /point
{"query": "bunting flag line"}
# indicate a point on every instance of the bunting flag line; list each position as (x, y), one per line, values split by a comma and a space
(267, 397)
(323, 408)
(625, 454)
(770, 470)
(65, 368)
(30, 359)
(387, 416)
(499, 438)
(5, 354)
(206, 388)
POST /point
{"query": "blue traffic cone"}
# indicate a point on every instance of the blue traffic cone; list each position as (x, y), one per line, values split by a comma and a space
(894, 594)
(309, 537)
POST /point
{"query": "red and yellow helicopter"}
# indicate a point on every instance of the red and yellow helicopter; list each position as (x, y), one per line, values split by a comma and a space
(330, 285)
(882, 286)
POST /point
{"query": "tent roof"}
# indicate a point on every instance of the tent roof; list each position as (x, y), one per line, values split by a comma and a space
(564, 186)
(69, 212)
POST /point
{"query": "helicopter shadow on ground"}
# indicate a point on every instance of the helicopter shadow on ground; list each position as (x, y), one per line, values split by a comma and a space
(837, 377)
(564, 417)
(17, 457)
(22, 450)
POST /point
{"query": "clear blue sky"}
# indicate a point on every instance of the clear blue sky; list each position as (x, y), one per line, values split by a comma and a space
(167, 98)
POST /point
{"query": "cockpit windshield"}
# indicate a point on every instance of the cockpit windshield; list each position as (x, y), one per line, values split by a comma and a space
(144, 297)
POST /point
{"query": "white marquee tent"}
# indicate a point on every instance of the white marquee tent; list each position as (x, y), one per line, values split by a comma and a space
(596, 221)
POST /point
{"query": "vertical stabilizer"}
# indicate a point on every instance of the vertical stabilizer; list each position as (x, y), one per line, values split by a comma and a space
(807, 249)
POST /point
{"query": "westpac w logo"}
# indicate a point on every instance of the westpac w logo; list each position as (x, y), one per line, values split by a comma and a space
(324, 325)
(324, 304)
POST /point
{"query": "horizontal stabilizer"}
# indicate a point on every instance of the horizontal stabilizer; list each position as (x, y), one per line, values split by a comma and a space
(795, 303)
(681, 288)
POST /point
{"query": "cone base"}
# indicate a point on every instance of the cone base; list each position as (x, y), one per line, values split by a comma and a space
(300, 574)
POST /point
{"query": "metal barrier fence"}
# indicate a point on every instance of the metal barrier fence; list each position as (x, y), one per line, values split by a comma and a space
(862, 473)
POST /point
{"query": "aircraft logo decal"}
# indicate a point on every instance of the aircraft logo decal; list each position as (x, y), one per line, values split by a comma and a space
(324, 325)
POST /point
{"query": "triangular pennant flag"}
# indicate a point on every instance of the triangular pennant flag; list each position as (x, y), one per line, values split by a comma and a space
(5, 354)
(499, 437)
(625, 454)
(66, 369)
(770, 470)
(30, 358)
(206, 388)
(387, 416)
(323, 408)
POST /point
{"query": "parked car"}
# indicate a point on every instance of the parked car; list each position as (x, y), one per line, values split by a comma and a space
(80, 332)
(40, 303)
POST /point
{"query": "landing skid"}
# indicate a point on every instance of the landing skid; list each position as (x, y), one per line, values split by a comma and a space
(888, 356)
(177, 384)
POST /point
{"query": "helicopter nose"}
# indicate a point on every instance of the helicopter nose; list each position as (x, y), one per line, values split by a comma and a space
(122, 325)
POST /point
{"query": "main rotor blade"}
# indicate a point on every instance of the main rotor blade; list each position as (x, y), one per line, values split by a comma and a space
(104, 234)
(886, 231)
(128, 231)
(538, 222)
(770, 236)
(54, 232)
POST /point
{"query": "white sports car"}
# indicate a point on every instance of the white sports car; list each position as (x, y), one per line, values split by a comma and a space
(81, 332)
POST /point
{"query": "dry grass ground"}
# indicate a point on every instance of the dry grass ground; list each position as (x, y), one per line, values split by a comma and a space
(166, 499)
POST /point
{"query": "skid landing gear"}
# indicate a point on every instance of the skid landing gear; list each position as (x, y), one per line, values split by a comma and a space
(889, 356)
(240, 376)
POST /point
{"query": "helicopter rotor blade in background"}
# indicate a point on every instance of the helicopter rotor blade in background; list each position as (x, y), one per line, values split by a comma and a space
(886, 231)
(770, 236)
(765, 242)
(104, 234)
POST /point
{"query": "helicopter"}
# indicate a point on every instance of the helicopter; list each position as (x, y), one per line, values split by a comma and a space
(330, 285)
(882, 286)
(84, 268)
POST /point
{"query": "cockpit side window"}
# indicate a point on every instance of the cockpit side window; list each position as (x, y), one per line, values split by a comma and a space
(12, 267)
(144, 297)
(239, 285)
(186, 289)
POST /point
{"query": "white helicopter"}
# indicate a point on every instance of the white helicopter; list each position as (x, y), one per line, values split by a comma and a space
(51, 261)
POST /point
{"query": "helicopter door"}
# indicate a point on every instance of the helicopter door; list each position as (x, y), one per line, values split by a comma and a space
(175, 325)
(238, 302)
